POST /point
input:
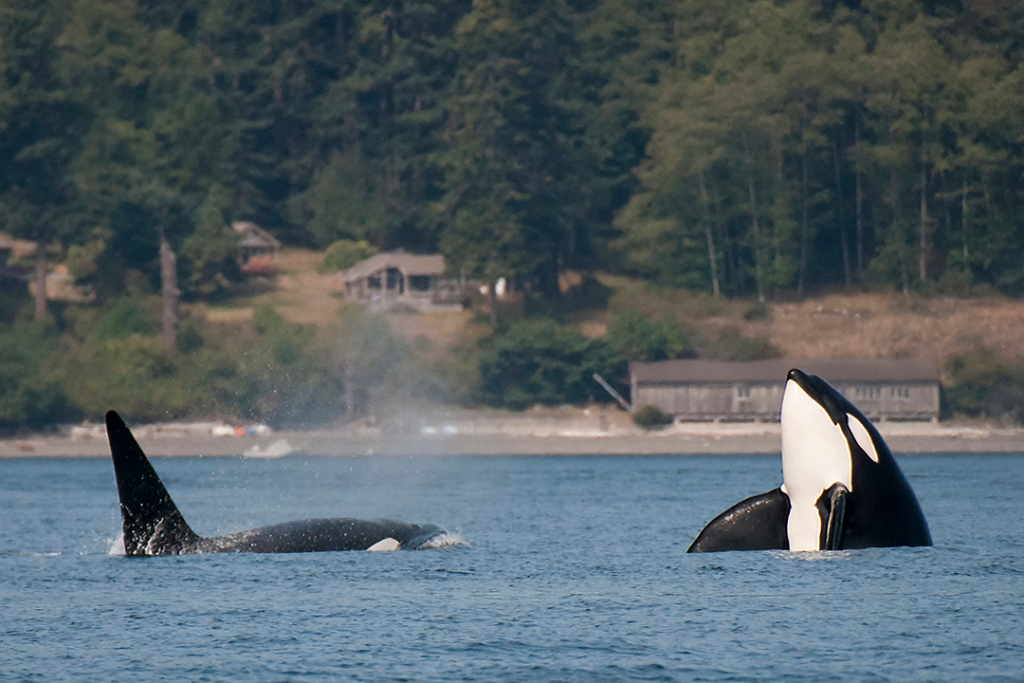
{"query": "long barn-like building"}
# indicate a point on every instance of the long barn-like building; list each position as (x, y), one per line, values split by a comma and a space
(703, 390)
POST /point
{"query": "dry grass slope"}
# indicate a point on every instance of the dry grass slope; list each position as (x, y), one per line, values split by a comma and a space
(871, 325)
(886, 326)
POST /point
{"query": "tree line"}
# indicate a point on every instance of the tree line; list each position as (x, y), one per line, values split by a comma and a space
(751, 148)
(754, 148)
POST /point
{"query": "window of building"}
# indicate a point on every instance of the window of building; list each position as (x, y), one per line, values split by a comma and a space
(867, 392)
(419, 283)
(901, 392)
(743, 391)
(395, 280)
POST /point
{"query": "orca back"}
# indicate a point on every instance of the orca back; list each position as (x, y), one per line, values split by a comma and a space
(320, 535)
(151, 521)
(756, 523)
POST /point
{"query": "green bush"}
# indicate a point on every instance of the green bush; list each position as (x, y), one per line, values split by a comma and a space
(371, 359)
(211, 252)
(756, 311)
(282, 374)
(983, 386)
(130, 374)
(13, 299)
(543, 362)
(126, 317)
(637, 338)
(344, 254)
(732, 345)
(31, 394)
(955, 282)
(651, 417)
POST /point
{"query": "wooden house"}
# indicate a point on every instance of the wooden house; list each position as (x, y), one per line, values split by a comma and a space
(394, 279)
(703, 390)
(258, 249)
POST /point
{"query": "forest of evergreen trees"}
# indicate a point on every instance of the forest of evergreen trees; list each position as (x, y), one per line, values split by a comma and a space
(750, 147)
(754, 148)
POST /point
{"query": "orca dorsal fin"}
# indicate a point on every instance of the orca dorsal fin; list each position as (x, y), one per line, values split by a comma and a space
(151, 521)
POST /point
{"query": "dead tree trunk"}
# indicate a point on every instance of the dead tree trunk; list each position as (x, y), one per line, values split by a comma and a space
(860, 201)
(40, 280)
(712, 257)
(840, 216)
(492, 300)
(963, 221)
(755, 224)
(349, 381)
(922, 256)
(804, 220)
(170, 293)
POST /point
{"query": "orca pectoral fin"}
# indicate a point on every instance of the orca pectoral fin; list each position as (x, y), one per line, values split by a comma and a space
(757, 523)
(832, 507)
(151, 521)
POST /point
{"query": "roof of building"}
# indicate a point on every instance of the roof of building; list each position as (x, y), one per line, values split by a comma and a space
(409, 264)
(775, 370)
(253, 235)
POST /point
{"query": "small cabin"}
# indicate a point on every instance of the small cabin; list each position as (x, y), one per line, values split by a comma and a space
(259, 249)
(392, 279)
(704, 390)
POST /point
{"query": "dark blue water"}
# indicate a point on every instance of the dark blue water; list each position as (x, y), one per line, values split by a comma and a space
(576, 570)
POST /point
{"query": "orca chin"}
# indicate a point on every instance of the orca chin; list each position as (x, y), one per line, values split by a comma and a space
(842, 488)
(153, 525)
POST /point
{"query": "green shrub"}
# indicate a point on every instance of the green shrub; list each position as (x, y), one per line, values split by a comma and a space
(126, 317)
(211, 252)
(131, 374)
(955, 282)
(651, 417)
(13, 299)
(344, 254)
(756, 311)
(637, 338)
(543, 362)
(189, 336)
(31, 394)
(282, 373)
(371, 359)
(732, 345)
(983, 386)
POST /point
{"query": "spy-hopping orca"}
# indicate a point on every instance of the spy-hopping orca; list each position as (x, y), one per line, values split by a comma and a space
(153, 525)
(841, 490)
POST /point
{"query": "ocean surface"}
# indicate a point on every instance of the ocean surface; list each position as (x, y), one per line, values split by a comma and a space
(572, 569)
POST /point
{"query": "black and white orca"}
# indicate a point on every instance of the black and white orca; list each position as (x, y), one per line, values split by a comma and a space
(842, 488)
(153, 525)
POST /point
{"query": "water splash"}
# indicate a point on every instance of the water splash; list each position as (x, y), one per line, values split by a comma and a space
(117, 545)
(445, 540)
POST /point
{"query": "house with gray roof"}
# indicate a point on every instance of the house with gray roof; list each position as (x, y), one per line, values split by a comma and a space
(258, 249)
(705, 390)
(394, 279)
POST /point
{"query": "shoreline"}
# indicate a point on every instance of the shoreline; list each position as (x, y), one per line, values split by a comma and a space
(505, 435)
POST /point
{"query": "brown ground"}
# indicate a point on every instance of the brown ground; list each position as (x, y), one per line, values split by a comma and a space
(832, 326)
(298, 293)
(880, 326)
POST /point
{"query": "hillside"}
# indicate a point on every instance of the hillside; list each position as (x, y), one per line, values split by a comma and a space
(872, 325)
